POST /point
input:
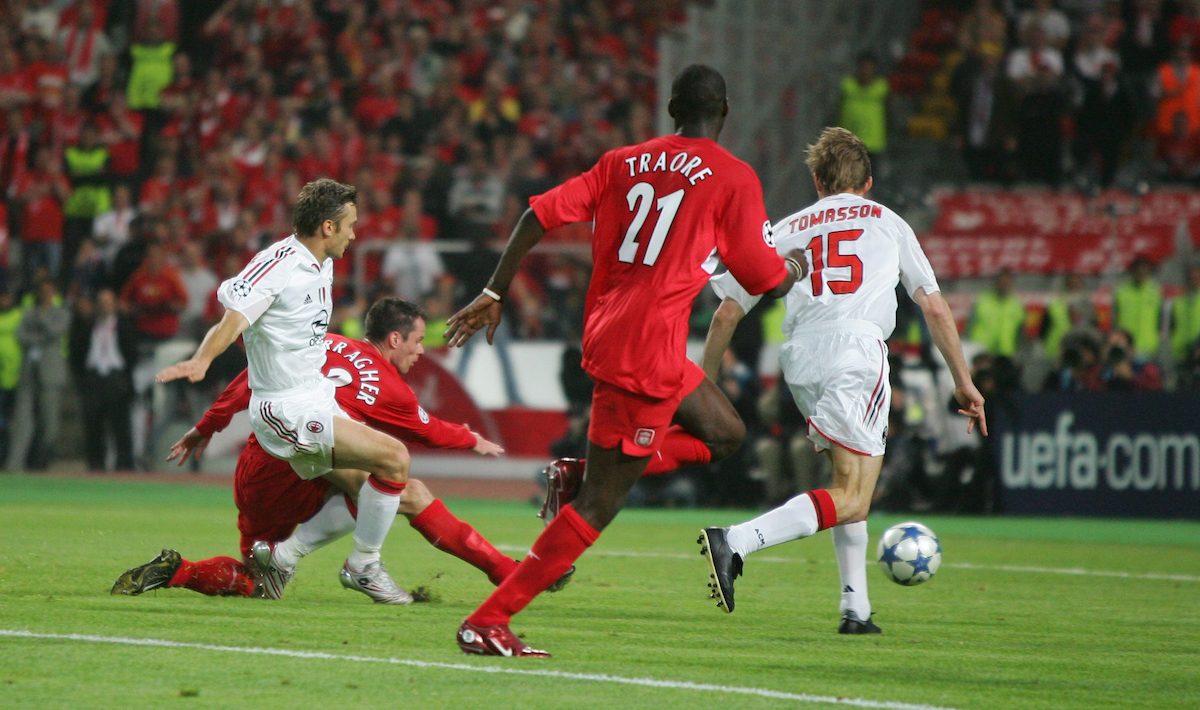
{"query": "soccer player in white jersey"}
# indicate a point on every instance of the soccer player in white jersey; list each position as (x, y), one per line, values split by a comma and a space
(282, 302)
(835, 363)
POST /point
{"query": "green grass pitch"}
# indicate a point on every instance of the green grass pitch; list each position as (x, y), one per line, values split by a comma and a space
(984, 633)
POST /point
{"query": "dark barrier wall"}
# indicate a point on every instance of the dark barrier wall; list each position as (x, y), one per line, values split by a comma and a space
(1111, 454)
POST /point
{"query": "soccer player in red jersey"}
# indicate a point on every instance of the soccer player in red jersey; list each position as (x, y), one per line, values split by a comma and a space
(272, 500)
(663, 212)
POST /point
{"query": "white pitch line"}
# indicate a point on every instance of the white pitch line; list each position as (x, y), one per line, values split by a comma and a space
(1070, 571)
(593, 677)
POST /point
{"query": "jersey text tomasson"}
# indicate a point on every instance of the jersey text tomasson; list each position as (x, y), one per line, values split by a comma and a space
(857, 251)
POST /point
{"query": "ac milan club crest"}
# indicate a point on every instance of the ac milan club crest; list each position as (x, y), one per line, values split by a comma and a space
(315, 427)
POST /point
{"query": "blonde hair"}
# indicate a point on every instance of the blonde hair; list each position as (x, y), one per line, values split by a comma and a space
(839, 161)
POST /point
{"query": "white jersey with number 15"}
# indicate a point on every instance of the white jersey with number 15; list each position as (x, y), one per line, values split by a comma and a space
(857, 251)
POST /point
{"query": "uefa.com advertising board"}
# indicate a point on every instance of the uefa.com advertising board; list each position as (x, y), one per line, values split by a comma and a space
(1108, 454)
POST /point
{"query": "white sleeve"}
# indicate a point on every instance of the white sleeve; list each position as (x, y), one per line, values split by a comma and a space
(915, 270)
(253, 291)
(725, 286)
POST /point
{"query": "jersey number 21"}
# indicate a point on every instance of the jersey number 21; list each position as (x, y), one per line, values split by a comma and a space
(640, 197)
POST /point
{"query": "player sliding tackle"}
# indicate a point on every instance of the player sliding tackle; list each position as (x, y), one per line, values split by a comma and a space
(272, 500)
(835, 363)
(663, 211)
(282, 302)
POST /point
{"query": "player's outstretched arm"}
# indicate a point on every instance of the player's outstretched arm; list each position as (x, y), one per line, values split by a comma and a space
(483, 447)
(944, 332)
(216, 341)
(192, 443)
(720, 332)
(485, 309)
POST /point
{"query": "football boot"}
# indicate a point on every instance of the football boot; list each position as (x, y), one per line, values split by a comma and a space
(724, 566)
(155, 574)
(496, 640)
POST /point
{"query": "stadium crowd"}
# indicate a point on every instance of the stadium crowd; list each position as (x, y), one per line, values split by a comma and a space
(151, 147)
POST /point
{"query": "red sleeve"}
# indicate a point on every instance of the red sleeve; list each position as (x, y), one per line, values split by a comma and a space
(399, 415)
(234, 399)
(573, 201)
(744, 238)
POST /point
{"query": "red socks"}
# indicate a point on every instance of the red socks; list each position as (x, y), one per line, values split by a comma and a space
(678, 449)
(826, 510)
(386, 487)
(451, 535)
(216, 577)
(560, 544)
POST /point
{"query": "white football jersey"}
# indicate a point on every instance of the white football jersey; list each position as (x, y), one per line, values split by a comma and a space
(857, 251)
(287, 297)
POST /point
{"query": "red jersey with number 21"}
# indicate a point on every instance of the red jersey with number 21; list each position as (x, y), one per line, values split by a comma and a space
(661, 211)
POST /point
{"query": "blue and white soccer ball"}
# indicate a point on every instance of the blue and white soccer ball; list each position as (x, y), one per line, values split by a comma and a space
(909, 553)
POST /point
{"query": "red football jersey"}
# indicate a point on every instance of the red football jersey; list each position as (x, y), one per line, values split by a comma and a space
(370, 390)
(661, 211)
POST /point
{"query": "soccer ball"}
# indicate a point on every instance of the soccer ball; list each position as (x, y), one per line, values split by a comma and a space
(909, 553)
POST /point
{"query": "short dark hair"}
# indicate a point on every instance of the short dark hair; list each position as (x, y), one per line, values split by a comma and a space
(320, 200)
(391, 314)
(698, 93)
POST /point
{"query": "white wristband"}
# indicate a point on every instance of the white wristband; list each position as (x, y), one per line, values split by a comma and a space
(492, 295)
(793, 262)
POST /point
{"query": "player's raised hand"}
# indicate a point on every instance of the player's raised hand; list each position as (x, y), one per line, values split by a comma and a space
(483, 311)
(972, 406)
(483, 447)
(193, 443)
(194, 370)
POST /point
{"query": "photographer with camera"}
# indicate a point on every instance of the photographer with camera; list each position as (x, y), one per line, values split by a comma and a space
(1079, 361)
(1121, 368)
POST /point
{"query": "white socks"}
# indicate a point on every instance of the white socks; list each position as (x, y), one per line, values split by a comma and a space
(793, 520)
(850, 543)
(376, 511)
(332, 522)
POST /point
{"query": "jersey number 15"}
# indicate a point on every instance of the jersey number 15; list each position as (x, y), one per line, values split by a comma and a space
(640, 196)
(826, 250)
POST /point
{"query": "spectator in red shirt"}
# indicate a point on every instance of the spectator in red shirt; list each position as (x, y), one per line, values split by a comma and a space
(156, 189)
(15, 89)
(121, 131)
(41, 193)
(155, 296)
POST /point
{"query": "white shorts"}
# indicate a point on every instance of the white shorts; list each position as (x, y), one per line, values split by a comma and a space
(838, 375)
(299, 428)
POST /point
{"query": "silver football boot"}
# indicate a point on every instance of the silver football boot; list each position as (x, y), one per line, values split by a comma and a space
(274, 576)
(375, 582)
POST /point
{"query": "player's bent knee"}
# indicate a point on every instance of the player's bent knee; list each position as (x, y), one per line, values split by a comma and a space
(853, 511)
(725, 439)
(394, 463)
(415, 498)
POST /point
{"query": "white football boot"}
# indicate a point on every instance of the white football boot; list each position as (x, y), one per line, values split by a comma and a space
(274, 575)
(375, 582)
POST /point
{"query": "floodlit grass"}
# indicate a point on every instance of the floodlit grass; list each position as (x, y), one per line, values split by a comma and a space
(979, 635)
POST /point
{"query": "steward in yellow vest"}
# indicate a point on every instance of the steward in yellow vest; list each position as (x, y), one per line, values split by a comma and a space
(998, 317)
(1138, 305)
(1185, 317)
(864, 104)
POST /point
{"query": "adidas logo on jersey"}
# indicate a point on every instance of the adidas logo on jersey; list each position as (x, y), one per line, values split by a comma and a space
(307, 299)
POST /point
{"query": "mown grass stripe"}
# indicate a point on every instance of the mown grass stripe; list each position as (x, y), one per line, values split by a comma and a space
(592, 677)
(1069, 571)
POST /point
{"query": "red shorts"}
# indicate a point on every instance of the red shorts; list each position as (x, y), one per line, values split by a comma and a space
(271, 499)
(633, 421)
